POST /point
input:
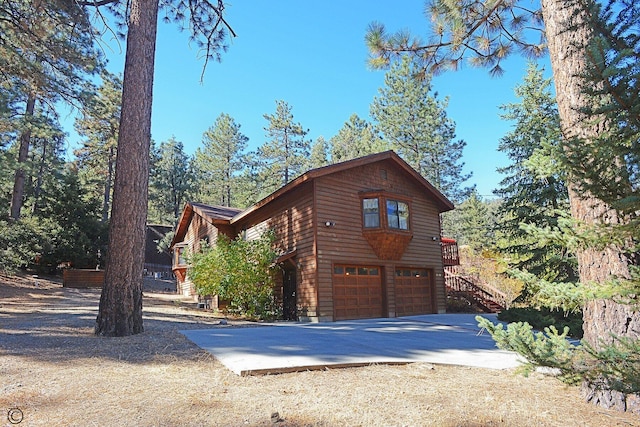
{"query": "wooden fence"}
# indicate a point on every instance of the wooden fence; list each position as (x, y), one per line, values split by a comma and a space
(72, 278)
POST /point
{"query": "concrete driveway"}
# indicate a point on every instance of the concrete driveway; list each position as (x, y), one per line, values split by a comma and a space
(284, 347)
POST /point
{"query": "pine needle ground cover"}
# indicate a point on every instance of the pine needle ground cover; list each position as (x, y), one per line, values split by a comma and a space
(57, 372)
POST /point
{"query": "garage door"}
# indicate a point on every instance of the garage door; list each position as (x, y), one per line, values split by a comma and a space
(357, 292)
(413, 289)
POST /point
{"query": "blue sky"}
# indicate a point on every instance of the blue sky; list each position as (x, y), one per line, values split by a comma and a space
(313, 56)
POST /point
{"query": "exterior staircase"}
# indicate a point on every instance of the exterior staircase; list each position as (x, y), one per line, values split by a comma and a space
(483, 295)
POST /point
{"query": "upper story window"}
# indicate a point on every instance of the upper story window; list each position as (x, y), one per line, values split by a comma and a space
(371, 212)
(395, 217)
(398, 214)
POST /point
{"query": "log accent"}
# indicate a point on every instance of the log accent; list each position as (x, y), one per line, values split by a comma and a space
(72, 278)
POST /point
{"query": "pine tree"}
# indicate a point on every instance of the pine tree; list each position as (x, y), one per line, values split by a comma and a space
(533, 191)
(120, 310)
(170, 182)
(285, 154)
(415, 124)
(46, 56)
(219, 163)
(99, 124)
(471, 223)
(486, 32)
(319, 154)
(47, 160)
(356, 138)
(77, 234)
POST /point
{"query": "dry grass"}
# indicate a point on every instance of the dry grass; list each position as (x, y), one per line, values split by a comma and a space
(58, 373)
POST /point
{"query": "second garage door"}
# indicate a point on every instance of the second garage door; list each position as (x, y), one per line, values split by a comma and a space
(413, 289)
(357, 292)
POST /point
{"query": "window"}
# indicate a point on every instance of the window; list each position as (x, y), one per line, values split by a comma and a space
(371, 213)
(395, 217)
(398, 214)
(179, 258)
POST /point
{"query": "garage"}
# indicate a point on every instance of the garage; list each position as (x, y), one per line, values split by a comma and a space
(357, 292)
(413, 289)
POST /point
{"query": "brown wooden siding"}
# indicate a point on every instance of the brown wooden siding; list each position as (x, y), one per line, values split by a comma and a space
(291, 217)
(338, 203)
(199, 229)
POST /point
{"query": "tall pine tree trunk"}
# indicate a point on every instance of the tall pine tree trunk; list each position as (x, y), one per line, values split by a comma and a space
(568, 33)
(17, 195)
(106, 194)
(120, 311)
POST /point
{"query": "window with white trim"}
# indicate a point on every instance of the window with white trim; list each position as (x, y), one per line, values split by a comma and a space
(371, 212)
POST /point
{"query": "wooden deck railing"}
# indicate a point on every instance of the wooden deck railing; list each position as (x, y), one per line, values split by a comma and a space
(450, 254)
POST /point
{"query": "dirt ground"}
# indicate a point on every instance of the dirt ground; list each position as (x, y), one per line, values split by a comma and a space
(55, 372)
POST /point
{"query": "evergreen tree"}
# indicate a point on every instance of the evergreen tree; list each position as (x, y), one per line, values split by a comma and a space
(285, 155)
(170, 182)
(120, 310)
(46, 56)
(77, 234)
(486, 32)
(356, 138)
(612, 171)
(319, 154)
(47, 159)
(99, 125)
(471, 223)
(533, 191)
(415, 124)
(219, 163)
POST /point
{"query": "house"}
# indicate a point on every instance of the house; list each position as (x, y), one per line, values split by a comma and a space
(359, 239)
(157, 264)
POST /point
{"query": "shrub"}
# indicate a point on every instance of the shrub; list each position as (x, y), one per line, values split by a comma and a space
(22, 242)
(543, 318)
(240, 272)
(615, 366)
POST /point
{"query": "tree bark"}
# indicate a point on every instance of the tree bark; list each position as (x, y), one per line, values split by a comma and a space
(568, 34)
(17, 195)
(120, 311)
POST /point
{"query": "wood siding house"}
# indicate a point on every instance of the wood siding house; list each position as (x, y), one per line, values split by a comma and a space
(157, 264)
(359, 239)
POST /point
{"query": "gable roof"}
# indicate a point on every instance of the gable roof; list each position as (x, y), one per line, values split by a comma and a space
(223, 215)
(213, 214)
(443, 203)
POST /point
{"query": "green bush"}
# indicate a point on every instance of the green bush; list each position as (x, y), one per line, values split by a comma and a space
(615, 366)
(240, 272)
(23, 242)
(543, 318)
(548, 348)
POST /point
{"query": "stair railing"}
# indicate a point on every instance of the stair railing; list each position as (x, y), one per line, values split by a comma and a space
(482, 293)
